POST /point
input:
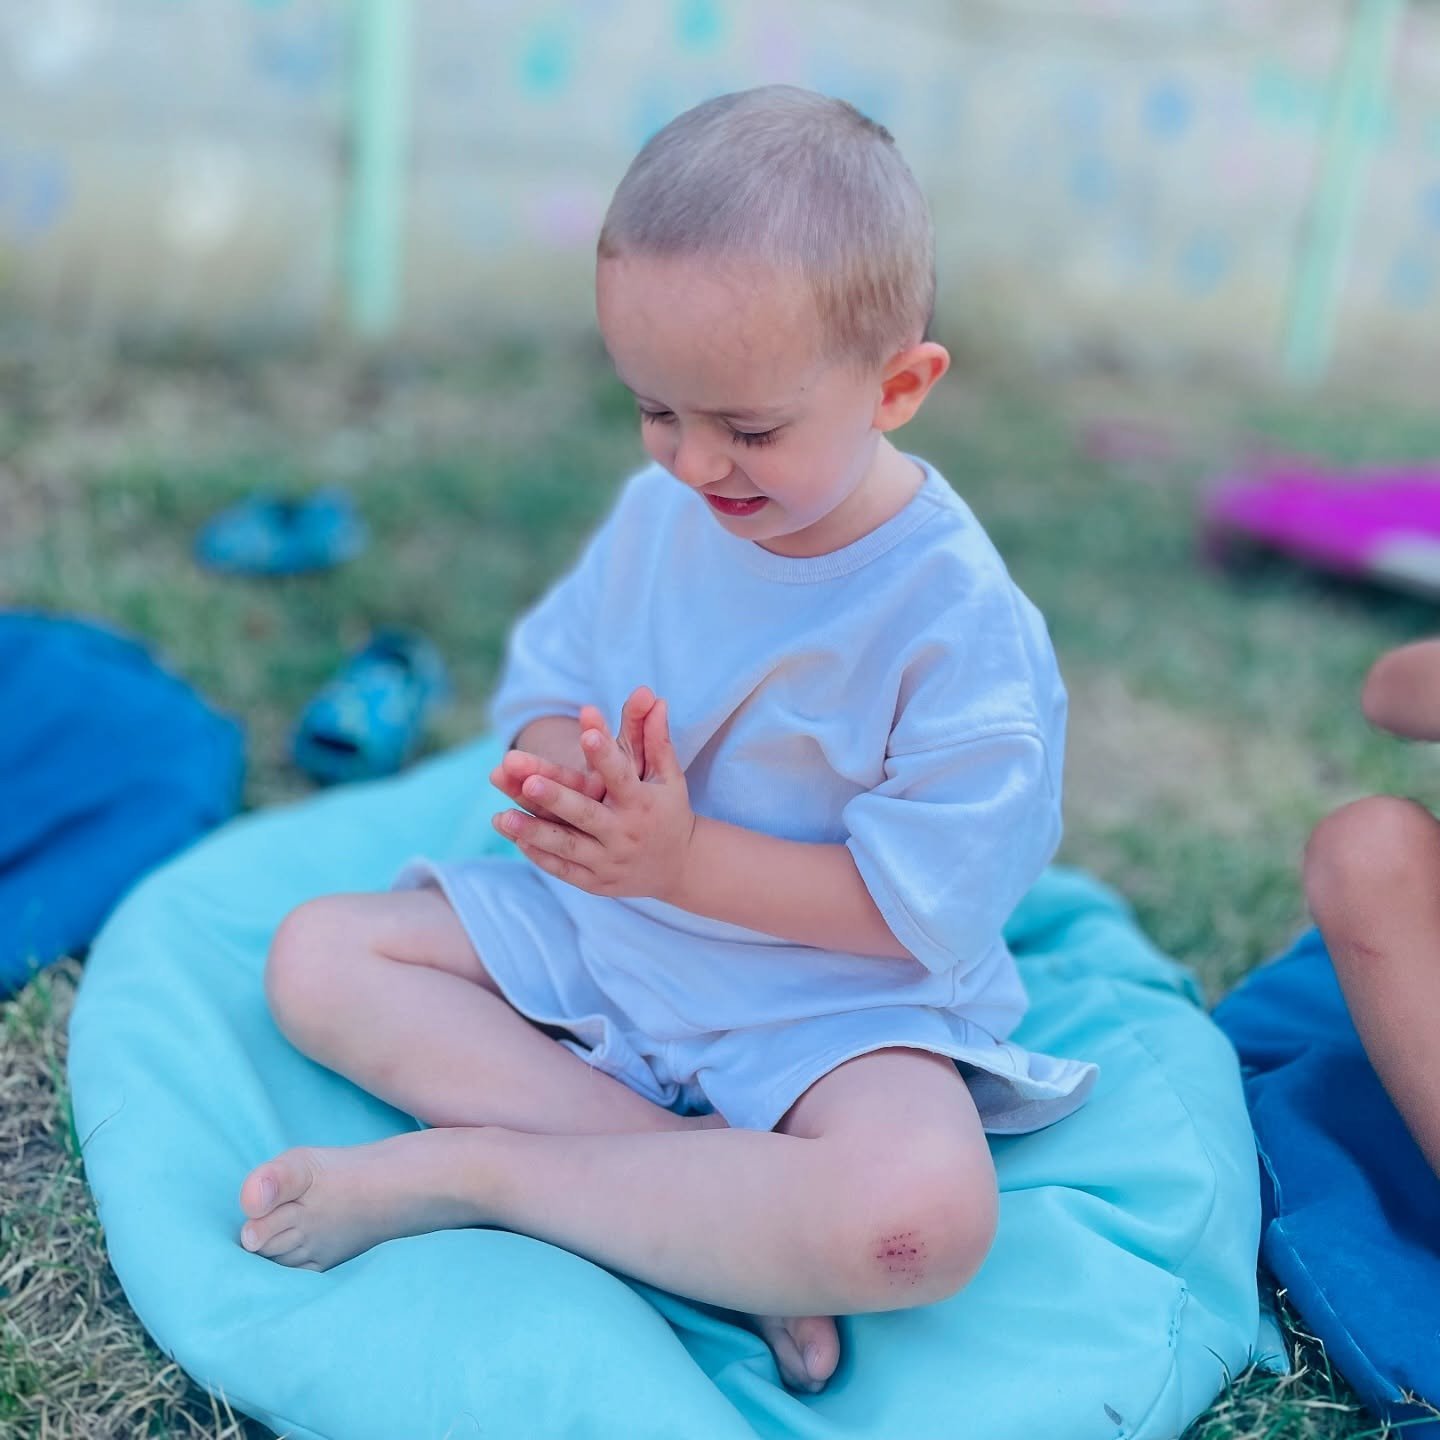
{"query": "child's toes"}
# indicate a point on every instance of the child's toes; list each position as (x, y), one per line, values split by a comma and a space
(277, 1182)
(283, 1243)
(818, 1342)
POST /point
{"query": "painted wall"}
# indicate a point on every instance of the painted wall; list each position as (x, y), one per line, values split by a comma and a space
(1109, 177)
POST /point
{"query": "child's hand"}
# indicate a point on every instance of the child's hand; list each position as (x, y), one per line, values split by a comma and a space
(635, 841)
(510, 775)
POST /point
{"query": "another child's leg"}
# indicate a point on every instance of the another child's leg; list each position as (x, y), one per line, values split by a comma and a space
(1372, 875)
(877, 1193)
(388, 990)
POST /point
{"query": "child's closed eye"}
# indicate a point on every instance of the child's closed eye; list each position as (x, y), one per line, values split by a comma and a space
(745, 437)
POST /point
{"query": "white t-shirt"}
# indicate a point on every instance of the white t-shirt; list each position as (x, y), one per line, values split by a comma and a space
(898, 696)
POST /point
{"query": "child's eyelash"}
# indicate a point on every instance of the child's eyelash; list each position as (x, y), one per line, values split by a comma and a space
(760, 437)
(745, 437)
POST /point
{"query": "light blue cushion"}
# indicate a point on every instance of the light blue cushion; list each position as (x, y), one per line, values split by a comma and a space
(1120, 1292)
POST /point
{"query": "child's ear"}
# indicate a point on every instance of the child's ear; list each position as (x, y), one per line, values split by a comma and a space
(908, 377)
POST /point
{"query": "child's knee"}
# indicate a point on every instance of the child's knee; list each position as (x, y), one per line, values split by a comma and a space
(299, 983)
(919, 1226)
(1358, 855)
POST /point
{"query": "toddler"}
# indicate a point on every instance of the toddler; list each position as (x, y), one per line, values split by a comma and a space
(1372, 875)
(737, 1023)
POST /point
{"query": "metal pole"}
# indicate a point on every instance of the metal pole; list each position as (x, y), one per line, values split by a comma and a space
(375, 209)
(1357, 105)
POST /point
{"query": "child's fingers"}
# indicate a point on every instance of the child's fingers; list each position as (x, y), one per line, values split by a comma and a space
(519, 765)
(591, 718)
(566, 870)
(569, 805)
(550, 836)
(658, 748)
(611, 764)
(632, 725)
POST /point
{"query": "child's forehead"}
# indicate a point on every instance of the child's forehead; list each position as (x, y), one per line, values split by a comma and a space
(731, 334)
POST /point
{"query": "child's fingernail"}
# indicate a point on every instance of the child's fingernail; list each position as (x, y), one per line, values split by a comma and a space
(509, 824)
(247, 1237)
(535, 788)
(590, 739)
(267, 1192)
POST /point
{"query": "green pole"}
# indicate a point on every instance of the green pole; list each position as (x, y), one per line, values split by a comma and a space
(1357, 106)
(378, 135)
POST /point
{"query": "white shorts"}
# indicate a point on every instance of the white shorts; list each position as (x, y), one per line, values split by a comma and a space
(750, 1076)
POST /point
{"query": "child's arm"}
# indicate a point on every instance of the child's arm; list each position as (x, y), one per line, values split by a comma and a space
(646, 840)
(555, 738)
(809, 894)
(1402, 691)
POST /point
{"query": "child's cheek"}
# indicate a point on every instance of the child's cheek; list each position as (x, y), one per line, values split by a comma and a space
(655, 445)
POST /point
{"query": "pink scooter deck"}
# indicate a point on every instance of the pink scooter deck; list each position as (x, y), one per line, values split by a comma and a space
(1380, 525)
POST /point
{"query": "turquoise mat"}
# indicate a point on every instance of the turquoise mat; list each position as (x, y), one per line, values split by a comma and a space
(1120, 1292)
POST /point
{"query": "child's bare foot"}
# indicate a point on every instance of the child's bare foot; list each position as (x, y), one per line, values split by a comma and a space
(807, 1348)
(314, 1208)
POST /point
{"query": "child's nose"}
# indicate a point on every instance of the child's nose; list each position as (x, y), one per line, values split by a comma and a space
(698, 463)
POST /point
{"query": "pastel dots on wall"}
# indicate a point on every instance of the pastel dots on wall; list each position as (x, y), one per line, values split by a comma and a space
(1167, 110)
(547, 62)
(300, 58)
(699, 24)
(1204, 263)
(34, 192)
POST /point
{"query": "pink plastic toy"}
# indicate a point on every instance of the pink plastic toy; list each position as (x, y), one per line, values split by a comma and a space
(1380, 525)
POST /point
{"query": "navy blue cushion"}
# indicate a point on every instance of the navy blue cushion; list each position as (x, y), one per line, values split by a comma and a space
(108, 765)
(1351, 1208)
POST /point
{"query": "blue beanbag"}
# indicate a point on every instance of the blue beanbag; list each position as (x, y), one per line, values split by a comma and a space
(108, 765)
(1120, 1293)
(1352, 1210)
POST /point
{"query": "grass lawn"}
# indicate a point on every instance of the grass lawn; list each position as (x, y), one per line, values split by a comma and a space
(1214, 718)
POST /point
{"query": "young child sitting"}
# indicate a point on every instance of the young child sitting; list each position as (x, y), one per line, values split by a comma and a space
(739, 1025)
(1372, 875)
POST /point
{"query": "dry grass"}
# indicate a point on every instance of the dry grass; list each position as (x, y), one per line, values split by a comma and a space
(74, 1363)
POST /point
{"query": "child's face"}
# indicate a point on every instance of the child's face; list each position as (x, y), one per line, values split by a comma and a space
(735, 397)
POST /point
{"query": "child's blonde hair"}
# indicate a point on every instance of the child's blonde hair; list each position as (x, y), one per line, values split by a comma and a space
(800, 181)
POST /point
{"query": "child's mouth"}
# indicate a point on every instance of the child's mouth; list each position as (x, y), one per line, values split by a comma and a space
(737, 507)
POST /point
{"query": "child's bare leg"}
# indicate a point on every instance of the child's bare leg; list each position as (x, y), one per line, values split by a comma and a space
(1372, 875)
(877, 1193)
(388, 990)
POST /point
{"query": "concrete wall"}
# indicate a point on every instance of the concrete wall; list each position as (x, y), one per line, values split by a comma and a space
(1126, 177)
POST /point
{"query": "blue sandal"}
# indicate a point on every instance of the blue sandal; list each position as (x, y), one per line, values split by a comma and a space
(370, 719)
(272, 535)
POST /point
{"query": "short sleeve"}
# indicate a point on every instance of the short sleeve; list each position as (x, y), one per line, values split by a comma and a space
(952, 839)
(548, 666)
